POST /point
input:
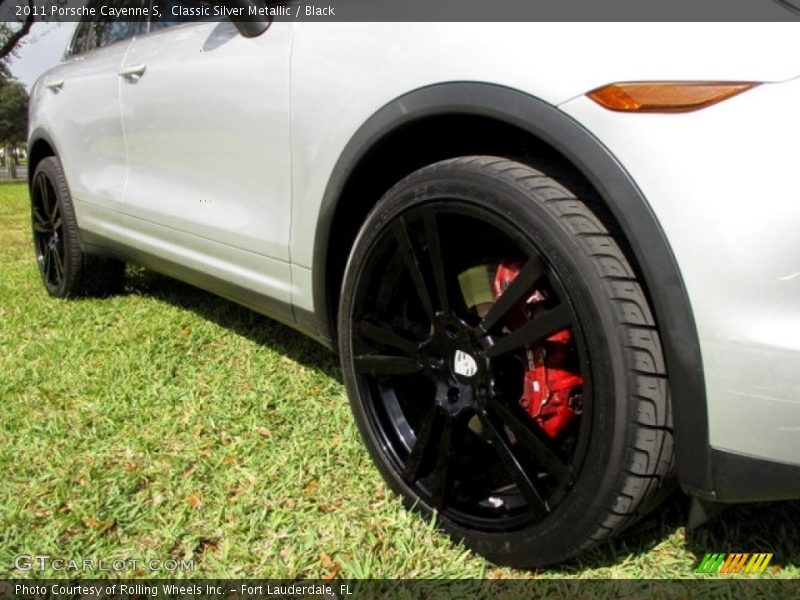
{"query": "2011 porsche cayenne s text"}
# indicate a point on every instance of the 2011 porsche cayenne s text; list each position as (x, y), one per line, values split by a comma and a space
(559, 262)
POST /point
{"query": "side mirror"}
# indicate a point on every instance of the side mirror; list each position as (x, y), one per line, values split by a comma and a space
(251, 17)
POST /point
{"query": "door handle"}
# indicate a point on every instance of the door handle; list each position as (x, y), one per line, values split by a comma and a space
(55, 86)
(133, 73)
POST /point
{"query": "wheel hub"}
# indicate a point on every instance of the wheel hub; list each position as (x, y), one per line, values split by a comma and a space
(455, 360)
(454, 398)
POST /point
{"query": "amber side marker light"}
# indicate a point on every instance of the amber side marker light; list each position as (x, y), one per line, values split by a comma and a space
(666, 96)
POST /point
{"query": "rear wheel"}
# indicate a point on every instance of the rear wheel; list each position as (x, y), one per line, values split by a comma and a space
(502, 361)
(66, 271)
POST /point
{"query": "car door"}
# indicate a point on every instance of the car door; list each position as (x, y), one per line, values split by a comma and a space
(81, 106)
(206, 117)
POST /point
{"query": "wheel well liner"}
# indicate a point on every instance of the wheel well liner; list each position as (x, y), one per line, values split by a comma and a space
(566, 140)
(39, 148)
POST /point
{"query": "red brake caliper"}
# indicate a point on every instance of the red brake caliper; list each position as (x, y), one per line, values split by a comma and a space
(551, 393)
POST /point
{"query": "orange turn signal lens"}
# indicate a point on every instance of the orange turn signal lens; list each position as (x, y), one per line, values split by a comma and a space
(666, 96)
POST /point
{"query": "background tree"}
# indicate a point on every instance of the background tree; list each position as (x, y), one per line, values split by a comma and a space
(12, 32)
(13, 121)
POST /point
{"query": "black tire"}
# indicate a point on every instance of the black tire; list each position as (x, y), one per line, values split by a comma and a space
(66, 271)
(453, 439)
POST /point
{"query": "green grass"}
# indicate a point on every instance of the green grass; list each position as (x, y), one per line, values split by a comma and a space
(166, 422)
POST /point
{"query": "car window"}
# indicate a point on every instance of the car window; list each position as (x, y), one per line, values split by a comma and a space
(177, 12)
(100, 31)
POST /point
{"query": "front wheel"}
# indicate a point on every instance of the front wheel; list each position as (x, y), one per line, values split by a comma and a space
(502, 362)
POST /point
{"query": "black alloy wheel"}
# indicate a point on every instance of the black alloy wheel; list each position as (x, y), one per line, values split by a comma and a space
(48, 231)
(66, 270)
(439, 359)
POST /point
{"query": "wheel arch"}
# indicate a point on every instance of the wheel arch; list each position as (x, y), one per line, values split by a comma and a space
(39, 147)
(491, 119)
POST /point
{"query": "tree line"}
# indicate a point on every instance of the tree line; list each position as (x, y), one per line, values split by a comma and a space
(13, 95)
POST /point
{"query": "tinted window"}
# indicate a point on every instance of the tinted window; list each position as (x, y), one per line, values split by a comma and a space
(102, 31)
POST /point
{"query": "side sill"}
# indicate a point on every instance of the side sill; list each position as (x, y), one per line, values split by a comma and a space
(298, 319)
(741, 478)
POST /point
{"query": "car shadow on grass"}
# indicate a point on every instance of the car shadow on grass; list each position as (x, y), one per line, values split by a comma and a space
(765, 527)
(233, 317)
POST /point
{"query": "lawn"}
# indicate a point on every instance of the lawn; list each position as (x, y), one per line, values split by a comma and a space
(165, 422)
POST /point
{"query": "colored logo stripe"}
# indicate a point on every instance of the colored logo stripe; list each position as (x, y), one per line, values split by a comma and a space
(735, 562)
